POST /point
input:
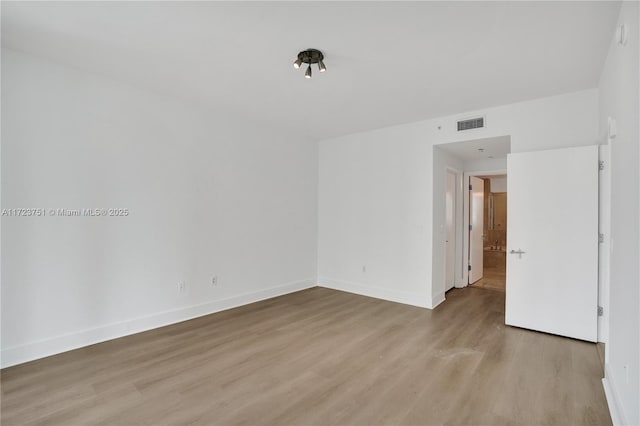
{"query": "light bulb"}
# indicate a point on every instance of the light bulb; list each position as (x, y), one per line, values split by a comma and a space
(307, 74)
(297, 63)
(321, 66)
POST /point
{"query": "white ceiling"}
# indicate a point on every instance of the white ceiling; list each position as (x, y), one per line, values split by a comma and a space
(496, 147)
(388, 62)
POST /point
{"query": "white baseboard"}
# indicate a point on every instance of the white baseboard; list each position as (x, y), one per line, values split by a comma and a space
(436, 300)
(40, 349)
(406, 298)
(615, 409)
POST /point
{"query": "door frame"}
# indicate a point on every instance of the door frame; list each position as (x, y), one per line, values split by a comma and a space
(465, 218)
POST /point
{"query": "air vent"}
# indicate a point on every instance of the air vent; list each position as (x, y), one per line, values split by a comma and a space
(473, 123)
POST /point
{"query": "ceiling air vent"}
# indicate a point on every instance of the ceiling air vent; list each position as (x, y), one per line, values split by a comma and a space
(472, 123)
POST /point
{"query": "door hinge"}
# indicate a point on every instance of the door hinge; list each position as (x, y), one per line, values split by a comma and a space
(470, 187)
(600, 311)
(601, 238)
(470, 227)
(600, 165)
(469, 268)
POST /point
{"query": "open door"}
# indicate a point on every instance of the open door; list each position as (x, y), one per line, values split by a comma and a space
(476, 228)
(552, 241)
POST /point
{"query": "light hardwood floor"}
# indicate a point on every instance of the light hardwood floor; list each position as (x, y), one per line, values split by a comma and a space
(320, 357)
(493, 276)
(493, 279)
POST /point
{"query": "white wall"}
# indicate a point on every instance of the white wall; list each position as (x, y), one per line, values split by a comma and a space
(619, 91)
(377, 189)
(489, 164)
(375, 213)
(498, 184)
(207, 194)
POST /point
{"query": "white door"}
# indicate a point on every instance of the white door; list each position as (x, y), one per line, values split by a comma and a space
(552, 241)
(450, 249)
(476, 228)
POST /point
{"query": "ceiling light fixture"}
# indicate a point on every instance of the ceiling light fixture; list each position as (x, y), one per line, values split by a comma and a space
(310, 56)
(321, 66)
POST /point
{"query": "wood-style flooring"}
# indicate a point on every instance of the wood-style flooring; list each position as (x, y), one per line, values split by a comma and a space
(494, 277)
(320, 357)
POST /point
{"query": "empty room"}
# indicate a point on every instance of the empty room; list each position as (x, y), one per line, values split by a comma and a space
(320, 213)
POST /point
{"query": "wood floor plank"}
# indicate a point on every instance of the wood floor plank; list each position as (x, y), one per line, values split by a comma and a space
(319, 356)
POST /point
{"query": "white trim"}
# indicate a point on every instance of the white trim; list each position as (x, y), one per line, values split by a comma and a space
(40, 349)
(404, 297)
(437, 299)
(615, 409)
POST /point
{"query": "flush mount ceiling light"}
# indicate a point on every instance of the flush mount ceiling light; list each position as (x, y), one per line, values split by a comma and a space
(310, 56)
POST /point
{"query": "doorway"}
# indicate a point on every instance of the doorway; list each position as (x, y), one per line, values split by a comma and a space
(485, 229)
(453, 163)
(487, 238)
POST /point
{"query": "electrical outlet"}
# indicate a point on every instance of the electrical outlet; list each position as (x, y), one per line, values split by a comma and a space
(182, 286)
(214, 280)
